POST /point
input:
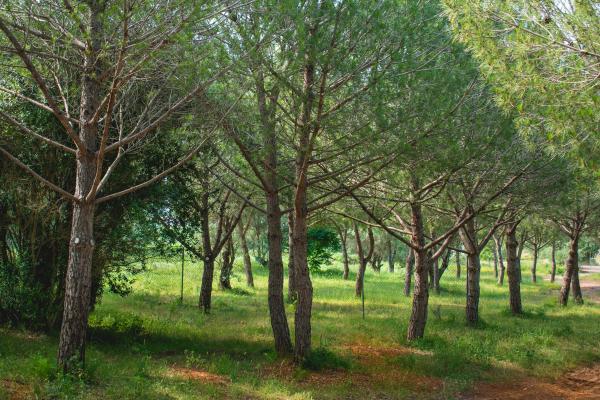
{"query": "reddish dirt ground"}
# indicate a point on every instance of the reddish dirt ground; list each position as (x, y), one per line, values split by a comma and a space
(581, 384)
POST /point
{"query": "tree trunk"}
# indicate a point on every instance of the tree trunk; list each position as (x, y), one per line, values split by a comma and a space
(575, 287)
(391, 256)
(495, 254)
(498, 244)
(436, 276)
(571, 267)
(512, 269)
(418, 317)
(410, 260)
(246, 256)
(457, 265)
(553, 256)
(227, 265)
(468, 235)
(304, 285)
(534, 264)
(204, 302)
(78, 280)
(279, 324)
(344, 241)
(292, 291)
(362, 264)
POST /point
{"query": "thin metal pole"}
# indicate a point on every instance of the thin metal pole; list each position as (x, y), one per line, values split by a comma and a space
(182, 266)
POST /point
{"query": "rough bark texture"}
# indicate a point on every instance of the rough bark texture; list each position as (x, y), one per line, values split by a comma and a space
(575, 287)
(410, 261)
(246, 256)
(512, 269)
(78, 281)
(418, 317)
(228, 257)
(204, 302)
(571, 267)
(292, 291)
(553, 257)
(279, 324)
(468, 235)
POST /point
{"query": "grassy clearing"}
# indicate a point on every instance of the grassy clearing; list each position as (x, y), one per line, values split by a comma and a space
(149, 345)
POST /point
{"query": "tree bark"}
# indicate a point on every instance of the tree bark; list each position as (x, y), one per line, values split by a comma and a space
(78, 280)
(410, 260)
(534, 264)
(553, 257)
(495, 254)
(279, 324)
(227, 266)
(468, 234)
(436, 276)
(204, 302)
(512, 269)
(575, 287)
(571, 267)
(457, 265)
(418, 317)
(292, 290)
(246, 256)
(363, 259)
(391, 256)
(498, 245)
(346, 262)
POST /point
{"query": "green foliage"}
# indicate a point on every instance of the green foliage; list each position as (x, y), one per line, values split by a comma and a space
(322, 243)
(322, 358)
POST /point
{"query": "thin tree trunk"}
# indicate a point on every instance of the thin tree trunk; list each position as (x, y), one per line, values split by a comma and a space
(553, 256)
(436, 276)
(498, 244)
(457, 265)
(571, 267)
(418, 317)
(468, 235)
(495, 254)
(279, 323)
(391, 256)
(344, 241)
(292, 291)
(362, 264)
(246, 256)
(78, 280)
(534, 264)
(512, 266)
(410, 260)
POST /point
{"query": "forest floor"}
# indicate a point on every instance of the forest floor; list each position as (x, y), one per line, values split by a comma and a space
(149, 345)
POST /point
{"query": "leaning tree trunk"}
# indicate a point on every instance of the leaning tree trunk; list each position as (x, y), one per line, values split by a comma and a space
(279, 324)
(418, 317)
(571, 267)
(575, 287)
(302, 319)
(553, 257)
(246, 256)
(292, 291)
(410, 261)
(512, 269)
(78, 280)
(534, 264)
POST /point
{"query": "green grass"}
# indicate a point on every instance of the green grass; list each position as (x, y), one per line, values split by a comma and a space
(150, 346)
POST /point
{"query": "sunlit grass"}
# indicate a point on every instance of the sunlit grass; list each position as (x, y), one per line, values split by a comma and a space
(137, 343)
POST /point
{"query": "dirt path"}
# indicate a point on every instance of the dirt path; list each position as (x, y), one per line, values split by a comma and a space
(581, 384)
(590, 288)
